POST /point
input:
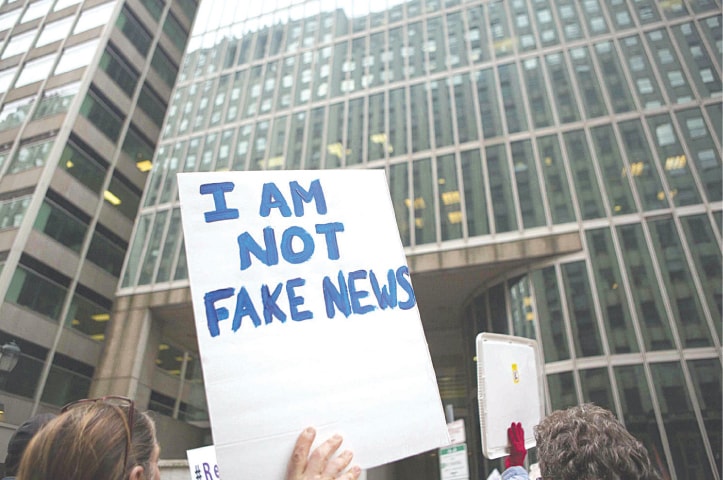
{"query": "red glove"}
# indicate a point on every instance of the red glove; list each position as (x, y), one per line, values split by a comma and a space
(518, 452)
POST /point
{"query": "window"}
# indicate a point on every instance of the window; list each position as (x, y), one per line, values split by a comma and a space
(14, 113)
(87, 168)
(102, 115)
(31, 156)
(107, 251)
(61, 225)
(88, 317)
(35, 70)
(122, 195)
(61, 4)
(164, 66)
(119, 70)
(94, 17)
(6, 78)
(8, 19)
(134, 31)
(56, 100)
(154, 7)
(175, 32)
(12, 211)
(39, 293)
(36, 10)
(138, 149)
(19, 44)
(76, 57)
(55, 31)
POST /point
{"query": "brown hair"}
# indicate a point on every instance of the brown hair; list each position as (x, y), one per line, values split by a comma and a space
(89, 442)
(587, 442)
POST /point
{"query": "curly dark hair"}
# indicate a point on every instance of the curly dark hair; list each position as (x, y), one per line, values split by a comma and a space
(587, 442)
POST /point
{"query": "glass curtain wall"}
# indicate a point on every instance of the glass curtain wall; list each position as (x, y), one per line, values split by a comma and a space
(497, 120)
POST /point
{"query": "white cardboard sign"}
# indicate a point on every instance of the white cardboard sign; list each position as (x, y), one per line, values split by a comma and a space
(202, 463)
(509, 390)
(305, 316)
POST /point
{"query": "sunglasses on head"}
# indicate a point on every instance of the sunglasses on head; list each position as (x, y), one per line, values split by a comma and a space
(116, 401)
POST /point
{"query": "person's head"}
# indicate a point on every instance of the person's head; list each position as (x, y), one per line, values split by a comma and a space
(20, 440)
(587, 442)
(95, 438)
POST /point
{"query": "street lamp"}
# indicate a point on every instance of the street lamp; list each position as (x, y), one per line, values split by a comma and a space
(9, 356)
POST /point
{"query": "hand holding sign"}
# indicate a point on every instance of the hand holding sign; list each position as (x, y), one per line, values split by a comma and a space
(320, 465)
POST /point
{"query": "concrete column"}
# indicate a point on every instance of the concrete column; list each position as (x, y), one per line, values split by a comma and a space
(128, 359)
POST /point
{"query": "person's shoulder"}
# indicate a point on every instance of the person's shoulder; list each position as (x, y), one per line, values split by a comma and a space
(515, 473)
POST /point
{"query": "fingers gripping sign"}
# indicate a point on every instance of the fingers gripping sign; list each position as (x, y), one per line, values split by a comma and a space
(321, 464)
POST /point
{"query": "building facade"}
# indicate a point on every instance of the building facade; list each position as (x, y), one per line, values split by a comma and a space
(555, 170)
(84, 87)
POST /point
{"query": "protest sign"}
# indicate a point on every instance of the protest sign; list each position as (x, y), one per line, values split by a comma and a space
(509, 389)
(305, 316)
(202, 462)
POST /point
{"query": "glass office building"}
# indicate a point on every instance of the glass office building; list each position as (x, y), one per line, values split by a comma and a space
(75, 153)
(555, 170)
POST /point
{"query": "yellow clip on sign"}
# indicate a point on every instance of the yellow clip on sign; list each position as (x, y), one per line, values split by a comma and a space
(515, 373)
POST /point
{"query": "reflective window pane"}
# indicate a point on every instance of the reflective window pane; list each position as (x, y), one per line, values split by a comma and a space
(684, 436)
(706, 254)
(652, 317)
(692, 327)
(511, 92)
(613, 300)
(585, 180)
(488, 104)
(450, 206)
(503, 203)
(641, 167)
(614, 171)
(528, 184)
(706, 376)
(423, 204)
(521, 308)
(549, 311)
(399, 190)
(673, 161)
(556, 187)
(562, 390)
(585, 332)
(596, 387)
(618, 92)
(474, 193)
(355, 132)
(637, 408)
(538, 97)
(704, 154)
(591, 93)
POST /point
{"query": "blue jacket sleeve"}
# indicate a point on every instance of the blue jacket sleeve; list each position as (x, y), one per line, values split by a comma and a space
(515, 473)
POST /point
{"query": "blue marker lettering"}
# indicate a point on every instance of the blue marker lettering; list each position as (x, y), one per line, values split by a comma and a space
(299, 195)
(288, 253)
(213, 314)
(329, 231)
(244, 307)
(295, 301)
(357, 295)
(219, 201)
(386, 298)
(406, 285)
(271, 197)
(248, 245)
(338, 297)
(271, 309)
